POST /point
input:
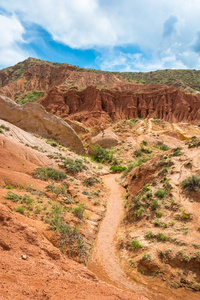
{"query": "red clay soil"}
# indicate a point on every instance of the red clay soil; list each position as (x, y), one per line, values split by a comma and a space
(32, 268)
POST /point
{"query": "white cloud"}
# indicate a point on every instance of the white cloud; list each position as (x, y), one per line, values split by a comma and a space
(11, 34)
(164, 30)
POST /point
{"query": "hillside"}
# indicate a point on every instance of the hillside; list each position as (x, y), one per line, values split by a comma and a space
(58, 207)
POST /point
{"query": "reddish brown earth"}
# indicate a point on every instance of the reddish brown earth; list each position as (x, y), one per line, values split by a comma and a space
(43, 272)
(96, 97)
(92, 106)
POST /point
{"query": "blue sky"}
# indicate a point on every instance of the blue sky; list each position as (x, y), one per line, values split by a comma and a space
(114, 35)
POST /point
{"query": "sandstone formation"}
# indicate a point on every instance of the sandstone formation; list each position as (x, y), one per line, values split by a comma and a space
(106, 139)
(92, 106)
(32, 117)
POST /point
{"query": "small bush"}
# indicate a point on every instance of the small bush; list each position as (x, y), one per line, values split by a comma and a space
(79, 210)
(160, 193)
(154, 204)
(102, 155)
(135, 244)
(8, 187)
(58, 190)
(20, 209)
(46, 173)
(52, 142)
(74, 166)
(4, 127)
(90, 181)
(149, 235)
(161, 237)
(177, 151)
(191, 183)
(117, 169)
(163, 147)
(146, 187)
(14, 197)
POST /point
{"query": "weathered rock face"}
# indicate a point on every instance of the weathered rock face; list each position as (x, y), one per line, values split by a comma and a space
(105, 139)
(33, 117)
(92, 106)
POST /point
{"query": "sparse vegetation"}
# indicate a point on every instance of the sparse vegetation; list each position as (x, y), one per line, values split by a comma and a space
(102, 155)
(74, 166)
(118, 169)
(49, 173)
(191, 183)
(135, 244)
(160, 193)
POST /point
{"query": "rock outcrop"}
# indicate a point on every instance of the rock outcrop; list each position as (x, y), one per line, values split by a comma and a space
(33, 117)
(105, 139)
(92, 106)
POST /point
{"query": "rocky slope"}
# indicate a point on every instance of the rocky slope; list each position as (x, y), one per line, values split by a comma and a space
(47, 220)
(95, 97)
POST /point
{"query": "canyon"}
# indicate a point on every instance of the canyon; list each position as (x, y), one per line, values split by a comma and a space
(99, 185)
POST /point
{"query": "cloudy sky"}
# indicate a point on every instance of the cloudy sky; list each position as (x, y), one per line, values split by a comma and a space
(115, 35)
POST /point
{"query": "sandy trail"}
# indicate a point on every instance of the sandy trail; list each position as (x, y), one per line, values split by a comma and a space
(104, 261)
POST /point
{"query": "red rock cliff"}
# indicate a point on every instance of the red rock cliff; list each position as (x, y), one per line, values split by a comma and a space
(92, 106)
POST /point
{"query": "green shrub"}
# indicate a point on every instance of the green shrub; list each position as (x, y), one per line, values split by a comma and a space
(135, 244)
(4, 127)
(149, 235)
(58, 190)
(20, 209)
(90, 181)
(74, 166)
(78, 211)
(139, 211)
(163, 147)
(52, 142)
(154, 204)
(46, 173)
(146, 187)
(14, 197)
(177, 151)
(117, 169)
(191, 183)
(68, 235)
(149, 194)
(102, 155)
(160, 193)
(161, 237)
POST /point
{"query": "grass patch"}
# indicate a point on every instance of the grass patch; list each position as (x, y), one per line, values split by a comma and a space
(135, 244)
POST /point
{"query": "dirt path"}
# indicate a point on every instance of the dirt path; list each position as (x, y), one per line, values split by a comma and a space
(104, 262)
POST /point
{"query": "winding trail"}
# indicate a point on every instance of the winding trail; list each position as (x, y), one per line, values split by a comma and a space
(104, 261)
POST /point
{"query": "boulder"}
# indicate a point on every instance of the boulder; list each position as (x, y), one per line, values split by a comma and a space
(105, 139)
(34, 118)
